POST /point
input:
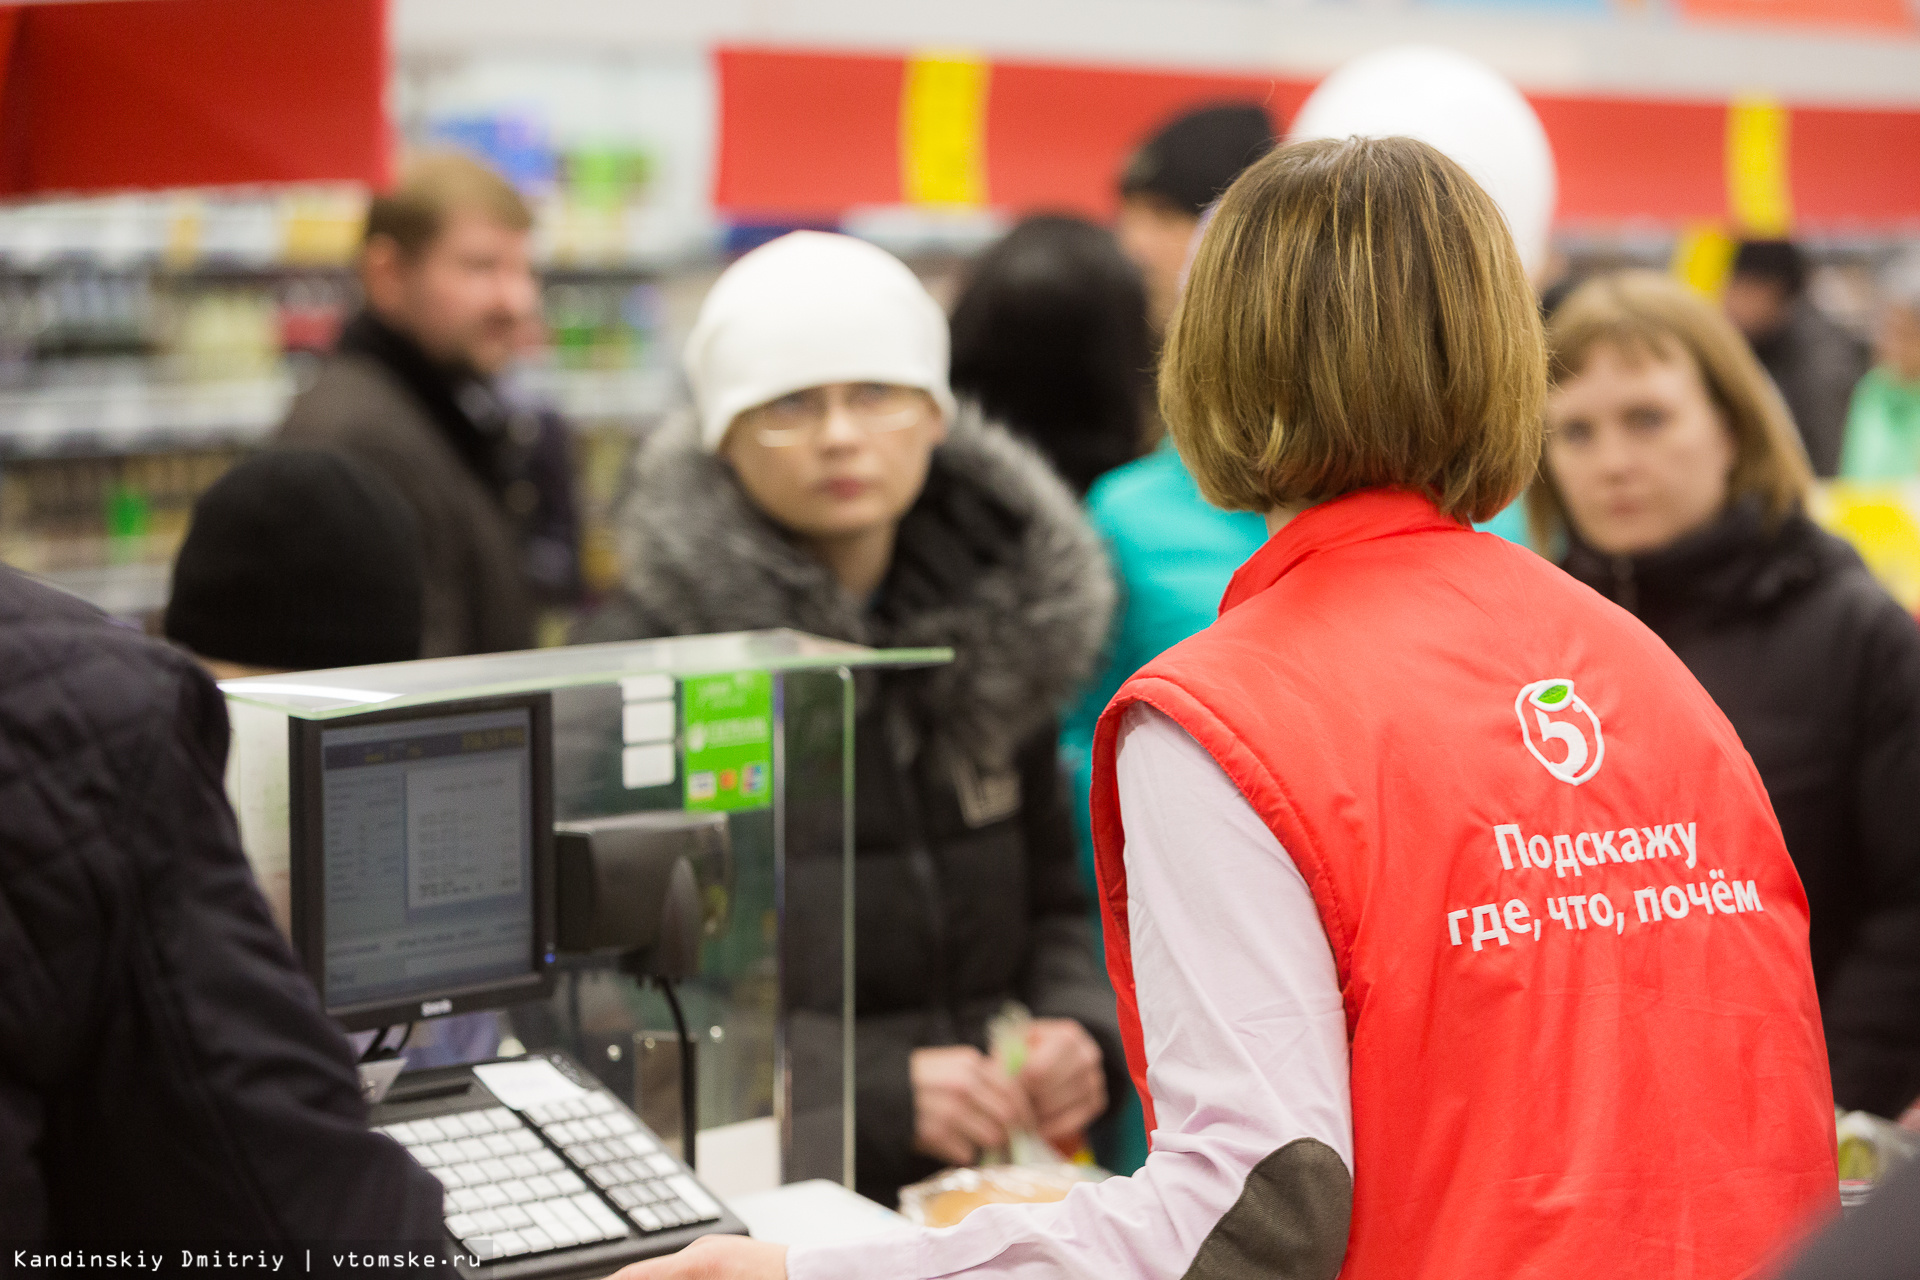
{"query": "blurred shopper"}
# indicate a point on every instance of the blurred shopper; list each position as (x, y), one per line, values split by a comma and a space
(829, 485)
(1373, 1038)
(1050, 338)
(1169, 182)
(1673, 471)
(166, 1073)
(1813, 361)
(296, 560)
(1878, 1241)
(450, 293)
(301, 559)
(1883, 422)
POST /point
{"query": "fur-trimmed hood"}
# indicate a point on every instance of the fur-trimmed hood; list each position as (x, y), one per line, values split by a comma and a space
(699, 557)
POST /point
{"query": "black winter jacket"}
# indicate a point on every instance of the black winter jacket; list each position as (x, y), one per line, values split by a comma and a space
(967, 891)
(166, 1073)
(1819, 671)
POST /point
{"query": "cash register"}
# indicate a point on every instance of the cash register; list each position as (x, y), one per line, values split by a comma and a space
(423, 885)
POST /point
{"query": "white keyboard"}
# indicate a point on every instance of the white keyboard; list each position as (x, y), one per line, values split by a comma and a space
(596, 1175)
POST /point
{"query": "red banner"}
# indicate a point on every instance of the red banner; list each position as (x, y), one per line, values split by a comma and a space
(160, 93)
(1871, 15)
(807, 136)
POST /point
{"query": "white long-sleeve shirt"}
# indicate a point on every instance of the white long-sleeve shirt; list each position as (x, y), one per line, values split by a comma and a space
(1245, 1037)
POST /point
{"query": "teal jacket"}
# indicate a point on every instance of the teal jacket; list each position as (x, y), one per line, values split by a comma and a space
(1172, 555)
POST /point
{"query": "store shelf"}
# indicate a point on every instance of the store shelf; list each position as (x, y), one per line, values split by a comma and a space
(84, 421)
(76, 421)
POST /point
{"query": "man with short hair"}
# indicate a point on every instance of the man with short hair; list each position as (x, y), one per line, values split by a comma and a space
(1169, 182)
(408, 391)
(1813, 361)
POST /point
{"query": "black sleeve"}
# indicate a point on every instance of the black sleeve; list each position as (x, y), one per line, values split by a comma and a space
(884, 1156)
(1872, 1005)
(241, 1116)
(1061, 979)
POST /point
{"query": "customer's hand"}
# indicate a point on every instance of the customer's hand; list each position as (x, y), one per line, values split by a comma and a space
(1063, 1081)
(714, 1258)
(963, 1102)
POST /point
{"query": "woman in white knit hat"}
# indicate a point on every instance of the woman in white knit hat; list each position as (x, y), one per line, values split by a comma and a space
(828, 483)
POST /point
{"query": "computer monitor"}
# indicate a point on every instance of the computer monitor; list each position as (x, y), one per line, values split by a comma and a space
(422, 858)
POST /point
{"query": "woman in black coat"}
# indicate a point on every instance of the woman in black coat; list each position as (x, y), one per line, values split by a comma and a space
(830, 485)
(1677, 479)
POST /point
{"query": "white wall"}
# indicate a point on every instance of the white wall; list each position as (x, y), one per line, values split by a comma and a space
(1642, 53)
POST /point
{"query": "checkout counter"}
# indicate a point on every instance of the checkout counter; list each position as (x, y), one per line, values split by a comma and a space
(641, 856)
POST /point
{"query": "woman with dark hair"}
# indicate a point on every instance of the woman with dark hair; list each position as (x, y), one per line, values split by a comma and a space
(1050, 337)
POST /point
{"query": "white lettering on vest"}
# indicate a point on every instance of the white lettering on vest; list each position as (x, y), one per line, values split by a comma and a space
(1504, 923)
(1600, 907)
(1630, 850)
(1686, 835)
(1492, 930)
(1563, 852)
(1563, 857)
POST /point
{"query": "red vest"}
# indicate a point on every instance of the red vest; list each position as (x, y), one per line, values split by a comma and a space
(1573, 950)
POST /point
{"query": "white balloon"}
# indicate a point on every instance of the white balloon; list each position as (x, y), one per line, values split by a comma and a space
(1458, 106)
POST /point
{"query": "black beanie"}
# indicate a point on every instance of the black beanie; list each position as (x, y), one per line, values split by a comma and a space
(1196, 157)
(299, 559)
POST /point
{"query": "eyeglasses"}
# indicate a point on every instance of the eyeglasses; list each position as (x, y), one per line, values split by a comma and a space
(874, 407)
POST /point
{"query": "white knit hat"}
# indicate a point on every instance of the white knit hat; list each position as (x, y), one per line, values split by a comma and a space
(806, 310)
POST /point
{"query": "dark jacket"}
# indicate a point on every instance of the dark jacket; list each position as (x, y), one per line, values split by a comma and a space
(1819, 671)
(1878, 1241)
(1816, 363)
(967, 892)
(166, 1073)
(468, 465)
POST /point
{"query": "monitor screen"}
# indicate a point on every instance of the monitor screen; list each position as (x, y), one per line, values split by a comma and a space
(427, 884)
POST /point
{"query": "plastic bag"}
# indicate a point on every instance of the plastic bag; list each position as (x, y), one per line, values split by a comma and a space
(1869, 1149)
(951, 1194)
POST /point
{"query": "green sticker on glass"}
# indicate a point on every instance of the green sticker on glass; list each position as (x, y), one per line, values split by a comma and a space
(729, 741)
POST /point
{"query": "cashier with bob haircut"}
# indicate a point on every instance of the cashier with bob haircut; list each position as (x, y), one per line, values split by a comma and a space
(1452, 932)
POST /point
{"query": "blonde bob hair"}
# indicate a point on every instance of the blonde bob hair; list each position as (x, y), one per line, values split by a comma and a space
(1356, 316)
(1644, 315)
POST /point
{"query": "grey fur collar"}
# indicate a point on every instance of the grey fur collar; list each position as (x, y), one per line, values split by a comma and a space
(698, 557)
